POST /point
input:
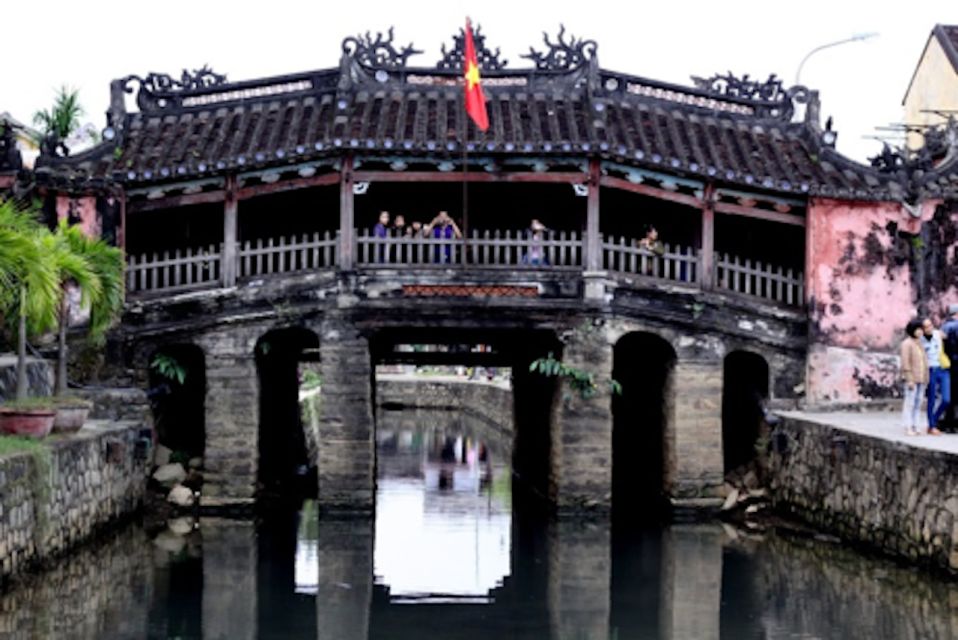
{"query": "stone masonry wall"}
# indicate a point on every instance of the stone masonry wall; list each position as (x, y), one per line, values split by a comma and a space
(491, 402)
(893, 497)
(39, 377)
(50, 502)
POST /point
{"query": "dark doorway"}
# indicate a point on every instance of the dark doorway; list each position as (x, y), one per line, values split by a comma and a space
(284, 465)
(744, 391)
(178, 391)
(643, 365)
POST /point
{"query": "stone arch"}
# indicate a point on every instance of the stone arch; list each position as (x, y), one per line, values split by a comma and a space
(745, 390)
(176, 374)
(642, 416)
(285, 458)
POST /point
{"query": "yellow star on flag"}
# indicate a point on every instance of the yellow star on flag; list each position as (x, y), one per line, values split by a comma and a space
(472, 76)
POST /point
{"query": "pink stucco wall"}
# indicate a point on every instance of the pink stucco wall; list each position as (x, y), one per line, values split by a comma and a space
(84, 208)
(861, 295)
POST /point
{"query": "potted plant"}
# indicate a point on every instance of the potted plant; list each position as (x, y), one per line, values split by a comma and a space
(96, 269)
(32, 417)
(29, 293)
(71, 413)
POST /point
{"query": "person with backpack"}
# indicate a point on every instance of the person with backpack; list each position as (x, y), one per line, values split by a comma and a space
(939, 379)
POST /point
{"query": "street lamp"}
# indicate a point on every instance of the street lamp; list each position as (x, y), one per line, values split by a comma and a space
(858, 37)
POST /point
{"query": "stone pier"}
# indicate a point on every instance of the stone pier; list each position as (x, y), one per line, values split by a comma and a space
(345, 589)
(582, 429)
(694, 464)
(229, 579)
(691, 582)
(347, 451)
(232, 419)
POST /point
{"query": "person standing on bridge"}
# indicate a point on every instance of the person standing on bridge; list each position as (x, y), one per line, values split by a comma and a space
(380, 232)
(914, 373)
(939, 379)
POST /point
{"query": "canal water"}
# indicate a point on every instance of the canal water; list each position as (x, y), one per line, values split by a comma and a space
(450, 554)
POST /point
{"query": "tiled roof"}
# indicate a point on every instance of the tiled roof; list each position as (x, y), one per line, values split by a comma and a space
(948, 37)
(207, 127)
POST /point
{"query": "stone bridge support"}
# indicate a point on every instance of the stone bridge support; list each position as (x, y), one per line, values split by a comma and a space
(232, 418)
(582, 428)
(347, 445)
(694, 468)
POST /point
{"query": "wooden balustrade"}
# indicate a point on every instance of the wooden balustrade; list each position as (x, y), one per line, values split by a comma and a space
(179, 270)
(202, 267)
(753, 278)
(308, 252)
(513, 249)
(675, 263)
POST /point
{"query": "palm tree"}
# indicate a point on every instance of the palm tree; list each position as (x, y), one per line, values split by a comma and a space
(63, 118)
(33, 289)
(96, 269)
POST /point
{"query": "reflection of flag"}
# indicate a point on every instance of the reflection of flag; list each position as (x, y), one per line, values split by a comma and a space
(475, 100)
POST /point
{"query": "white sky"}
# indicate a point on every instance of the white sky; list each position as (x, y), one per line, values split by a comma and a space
(86, 44)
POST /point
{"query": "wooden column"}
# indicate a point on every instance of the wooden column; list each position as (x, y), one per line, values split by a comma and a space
(707, 265)
(230, 224)
(347, 222)
(593, 243)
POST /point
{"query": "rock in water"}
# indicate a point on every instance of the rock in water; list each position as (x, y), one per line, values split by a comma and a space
(731, 500)
(181, 496)
(162, 455)
(170, 475)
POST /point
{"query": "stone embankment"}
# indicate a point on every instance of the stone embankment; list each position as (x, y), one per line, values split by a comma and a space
(861, 479)
(65, 488)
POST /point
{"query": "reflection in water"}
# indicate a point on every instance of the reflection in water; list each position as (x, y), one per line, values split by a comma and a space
(474, 569)
(443, 517)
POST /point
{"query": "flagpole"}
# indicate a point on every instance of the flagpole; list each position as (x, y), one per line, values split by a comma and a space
(465, 190)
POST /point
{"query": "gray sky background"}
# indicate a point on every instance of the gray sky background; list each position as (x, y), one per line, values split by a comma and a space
(86, 44)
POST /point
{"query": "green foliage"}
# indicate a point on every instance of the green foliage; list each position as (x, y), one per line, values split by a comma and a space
(26, 404)
(183, 457)
(168, 367)
(578, 379)
(917, 244)
(19, 444)
(697, 309)
(310, 380)
(63, 118)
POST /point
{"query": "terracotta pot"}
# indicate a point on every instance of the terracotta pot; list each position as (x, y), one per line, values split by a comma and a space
(34, 423)
(70, 419)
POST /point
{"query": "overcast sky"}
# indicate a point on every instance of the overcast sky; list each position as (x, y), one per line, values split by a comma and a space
(86, 44)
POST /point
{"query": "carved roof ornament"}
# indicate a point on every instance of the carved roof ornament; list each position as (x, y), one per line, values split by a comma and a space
(378, 52)
(453, 58)
(770, 91)
(562, 55)
(9, 153)
(912, 166)
(161, 89)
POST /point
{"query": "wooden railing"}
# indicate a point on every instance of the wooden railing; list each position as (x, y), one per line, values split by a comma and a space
(514, 249)
(180, 270)
(309, 252)
(754, 278)
(675, 263)
(203, 267)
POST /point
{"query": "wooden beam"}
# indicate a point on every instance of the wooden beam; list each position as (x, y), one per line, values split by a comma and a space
(760, 214)
(559, 177)
(654, 192)
(230, 227)
(279, 186)
(173, 202)
(244, 193)
(347, 222)
(593, 244)
(706, 277)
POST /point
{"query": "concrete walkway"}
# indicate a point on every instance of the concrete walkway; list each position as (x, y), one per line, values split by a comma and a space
(883, 425)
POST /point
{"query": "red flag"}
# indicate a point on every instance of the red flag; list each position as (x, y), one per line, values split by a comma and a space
(475, 99)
